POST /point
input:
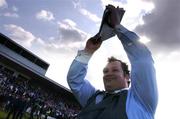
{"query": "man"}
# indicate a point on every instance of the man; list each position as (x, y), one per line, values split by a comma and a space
(139, 101)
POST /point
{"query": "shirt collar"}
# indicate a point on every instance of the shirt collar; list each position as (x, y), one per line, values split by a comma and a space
(117, 91)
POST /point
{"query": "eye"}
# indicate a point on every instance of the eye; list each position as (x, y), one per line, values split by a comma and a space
(105, 71)
(115, 70)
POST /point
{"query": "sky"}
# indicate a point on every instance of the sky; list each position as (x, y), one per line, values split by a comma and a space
(55, 30)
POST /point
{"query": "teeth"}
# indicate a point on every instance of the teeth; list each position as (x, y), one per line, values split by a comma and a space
(109, 79)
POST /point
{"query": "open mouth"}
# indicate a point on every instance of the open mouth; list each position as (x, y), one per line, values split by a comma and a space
(109, 79)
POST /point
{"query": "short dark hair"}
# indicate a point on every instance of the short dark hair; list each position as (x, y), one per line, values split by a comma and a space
(123, 65)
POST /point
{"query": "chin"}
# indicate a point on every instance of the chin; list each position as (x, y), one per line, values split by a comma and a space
(109, 89)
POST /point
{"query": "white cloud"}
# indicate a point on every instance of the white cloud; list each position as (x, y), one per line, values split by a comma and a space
(89, 15)
(69, 22)
(72, 38)
(69, 33)
(13, 15)
(76, 3)
(138, 7)
(134, 4)
(144, 40)
(20, 35)
(162, 26)
(3, 3)
(135, 10)
(45, 15)
(119, 3)
(14, 8)
(147, 0)
(28, 40)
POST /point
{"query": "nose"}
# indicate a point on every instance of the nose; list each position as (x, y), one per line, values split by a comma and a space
(108, 75)
(109, 72)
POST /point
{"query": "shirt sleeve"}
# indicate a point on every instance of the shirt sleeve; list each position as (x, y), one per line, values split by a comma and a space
(143, 77)
(80, 87)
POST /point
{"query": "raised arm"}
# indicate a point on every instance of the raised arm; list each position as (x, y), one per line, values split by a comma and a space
(143, 77)
(81, 87)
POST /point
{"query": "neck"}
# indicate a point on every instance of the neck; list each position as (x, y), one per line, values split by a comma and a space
(117, 90)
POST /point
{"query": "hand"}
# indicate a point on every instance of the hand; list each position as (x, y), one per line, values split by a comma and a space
(93, 44)
(114, 17)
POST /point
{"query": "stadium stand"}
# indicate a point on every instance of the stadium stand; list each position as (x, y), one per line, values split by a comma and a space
(23, 86)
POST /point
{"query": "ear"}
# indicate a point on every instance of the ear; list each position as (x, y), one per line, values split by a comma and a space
(127, 77)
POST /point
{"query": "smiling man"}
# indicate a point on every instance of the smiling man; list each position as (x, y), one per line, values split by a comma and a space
(119, 100)
(116, 75)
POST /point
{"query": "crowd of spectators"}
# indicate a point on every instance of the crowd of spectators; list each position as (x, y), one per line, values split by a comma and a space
(18, 97)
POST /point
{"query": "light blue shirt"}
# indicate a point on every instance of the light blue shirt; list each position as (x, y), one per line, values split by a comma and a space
(142, 95)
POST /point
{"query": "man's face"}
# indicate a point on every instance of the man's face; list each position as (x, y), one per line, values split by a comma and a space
(113, 77)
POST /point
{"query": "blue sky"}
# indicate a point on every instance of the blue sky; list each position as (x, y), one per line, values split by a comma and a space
(55, 30)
